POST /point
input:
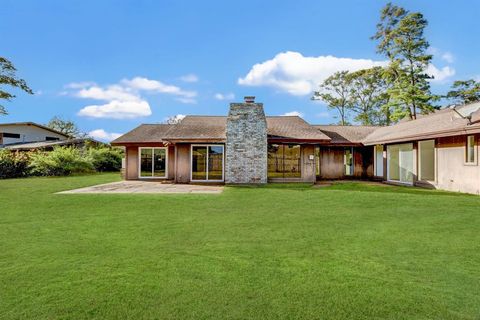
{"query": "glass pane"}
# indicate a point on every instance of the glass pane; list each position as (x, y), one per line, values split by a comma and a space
(427, 160)
(275, 161)
(317, 161)
(393, 163)
(470, 149)
(406, 163)
(145, 162)
(199, 163)
(159, 163)
(215, 163)
(348, 161)
(291, 161)
(379, 161)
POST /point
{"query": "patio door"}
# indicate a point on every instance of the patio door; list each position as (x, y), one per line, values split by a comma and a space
(152, 163)
(400, 163)
(207, 163)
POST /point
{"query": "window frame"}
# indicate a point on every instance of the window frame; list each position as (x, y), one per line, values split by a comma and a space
(466, 154)
(284, 172)
(376, 165)
(419, 157)
(207, 163)
(153, 153)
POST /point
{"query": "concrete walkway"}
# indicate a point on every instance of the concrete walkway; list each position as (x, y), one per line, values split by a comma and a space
(146, 187)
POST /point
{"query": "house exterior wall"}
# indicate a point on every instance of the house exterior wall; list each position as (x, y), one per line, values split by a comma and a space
(131, 157)
(246, 145)
(332, 162)
(452, 172)
(28, 133)
(183, 163)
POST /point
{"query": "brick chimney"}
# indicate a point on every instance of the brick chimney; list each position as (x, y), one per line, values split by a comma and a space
(246, 146)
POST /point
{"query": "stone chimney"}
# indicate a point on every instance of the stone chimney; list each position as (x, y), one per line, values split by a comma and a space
(246, 146)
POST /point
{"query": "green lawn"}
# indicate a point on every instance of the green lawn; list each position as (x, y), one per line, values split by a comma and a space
(348, 251)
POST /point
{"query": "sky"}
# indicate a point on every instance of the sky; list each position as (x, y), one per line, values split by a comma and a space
(112, 65)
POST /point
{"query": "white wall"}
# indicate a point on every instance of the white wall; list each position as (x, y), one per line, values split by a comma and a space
(452, 172)
(28, 133)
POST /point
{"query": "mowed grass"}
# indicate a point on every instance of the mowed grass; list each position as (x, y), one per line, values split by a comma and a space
(349, 251)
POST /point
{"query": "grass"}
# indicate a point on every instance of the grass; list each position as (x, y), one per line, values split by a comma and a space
(348, 251)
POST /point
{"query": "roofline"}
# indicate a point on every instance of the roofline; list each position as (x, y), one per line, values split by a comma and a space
(29, 123)
(436, 134)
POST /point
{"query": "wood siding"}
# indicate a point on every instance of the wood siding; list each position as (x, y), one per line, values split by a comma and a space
(332, 162)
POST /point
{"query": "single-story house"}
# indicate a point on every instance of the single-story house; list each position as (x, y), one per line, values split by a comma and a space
(26, 136)
(248, 147)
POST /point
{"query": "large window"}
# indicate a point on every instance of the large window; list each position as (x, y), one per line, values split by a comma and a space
(426, 160)
(348, 161)
(400, 162)
(470, 151)
(284, 161)
(153, 162)
(379, 160)
(207, 163)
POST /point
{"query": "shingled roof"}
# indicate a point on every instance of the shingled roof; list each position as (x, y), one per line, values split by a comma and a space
(213, 128)
(445, 122)
(346, 135)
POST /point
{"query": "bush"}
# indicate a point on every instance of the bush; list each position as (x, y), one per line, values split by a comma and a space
(60, 162)
(13, 164)
(106, 159)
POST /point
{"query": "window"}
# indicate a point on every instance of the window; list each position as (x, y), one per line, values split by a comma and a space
(51, 138)
(348, 161)
(207, 163)
(470, 151)
(153, 162)
(426, 160)
(11, 135)
(400, 162)
(284, 161)
(379, 160)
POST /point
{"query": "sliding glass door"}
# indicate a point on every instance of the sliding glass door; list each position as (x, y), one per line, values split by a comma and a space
(284, 161)
(153, 162)
(207, 163)
(400, 162)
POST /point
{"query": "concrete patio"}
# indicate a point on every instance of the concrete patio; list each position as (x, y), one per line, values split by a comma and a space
(147, 187)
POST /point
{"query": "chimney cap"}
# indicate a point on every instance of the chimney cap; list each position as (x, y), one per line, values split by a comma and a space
(249, 99)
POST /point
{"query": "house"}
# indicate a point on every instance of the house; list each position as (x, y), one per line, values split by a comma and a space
(25, 132)
(248, 147)
(25, 136)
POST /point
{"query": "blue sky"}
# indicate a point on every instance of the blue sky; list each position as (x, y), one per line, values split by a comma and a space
(111, 65)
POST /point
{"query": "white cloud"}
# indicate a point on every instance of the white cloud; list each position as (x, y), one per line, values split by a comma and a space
(440, 75)
(224, 96)
(448, 57)
(292, 113)
(140, 83)
(124, 100)
(299, 75)
(189, 78)
(117, 110)
(101, 134)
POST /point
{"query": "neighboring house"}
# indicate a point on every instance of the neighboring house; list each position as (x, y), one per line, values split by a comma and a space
(438, 150)
(25, 136)
(24, 132)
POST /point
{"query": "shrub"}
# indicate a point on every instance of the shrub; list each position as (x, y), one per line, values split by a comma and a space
(106, 159)
(13, 164)
(60, 162)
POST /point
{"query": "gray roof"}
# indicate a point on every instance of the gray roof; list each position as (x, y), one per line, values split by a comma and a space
(47, 144)
(198, 128)
(444, 122)
(346, 135)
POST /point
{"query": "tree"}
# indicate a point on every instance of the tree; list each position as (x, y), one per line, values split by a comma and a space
(335, 92)
(67, 127)
(369, 97)
(174, 119)
(400, 36)
(9, 78)
(464, 92)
